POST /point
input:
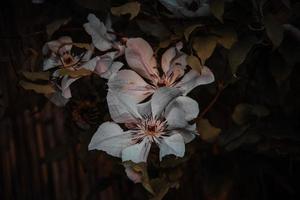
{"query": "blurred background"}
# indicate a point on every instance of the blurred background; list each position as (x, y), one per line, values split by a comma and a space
(43, 154)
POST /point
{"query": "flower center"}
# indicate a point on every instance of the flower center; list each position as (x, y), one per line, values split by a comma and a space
(150, 127)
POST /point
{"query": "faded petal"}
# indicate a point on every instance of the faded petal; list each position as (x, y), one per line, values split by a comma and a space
(112, 70)
(127, 81)
(110, 138)
(50, 63)
(98, 31)
(180, 111)
(62, 44)
(106, 66)
(173, 144)
(132, 175)
(161, 98)
(193, 79)
(137, 153)
(139, 56)
(188, 133)
(91, 64)
(57, 99)
(122, 107)
(65, 86)
(173, 57)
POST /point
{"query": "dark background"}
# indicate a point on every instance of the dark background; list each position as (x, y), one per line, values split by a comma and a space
(41, 153)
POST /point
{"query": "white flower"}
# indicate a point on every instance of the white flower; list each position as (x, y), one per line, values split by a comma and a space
(60, 56)
(187, 8)
(163, 120)
(139, 57)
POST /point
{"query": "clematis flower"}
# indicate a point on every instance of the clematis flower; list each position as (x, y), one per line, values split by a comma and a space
(144, 78)
(104, 40)
(164, 121)
(61, 56)
(187, 8)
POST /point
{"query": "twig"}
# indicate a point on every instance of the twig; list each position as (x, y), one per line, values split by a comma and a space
(213, 101)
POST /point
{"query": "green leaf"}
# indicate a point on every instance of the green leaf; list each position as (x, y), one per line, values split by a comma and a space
(42, 89)
(132, 8)
(217, 9)
(274, 30)
(239, 51)
(204, 47)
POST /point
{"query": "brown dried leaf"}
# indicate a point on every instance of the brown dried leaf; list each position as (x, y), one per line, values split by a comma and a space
(207, 132)
(75, 73)
(132, 8)
(33, 76)
(42, 89)
(226, 36)
(194, 63)
(204, 47)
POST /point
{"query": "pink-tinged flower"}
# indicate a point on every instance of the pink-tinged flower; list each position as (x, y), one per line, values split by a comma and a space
(145, 78)
(104, 40)
(164, 120)
(60, 55)
(134, 176)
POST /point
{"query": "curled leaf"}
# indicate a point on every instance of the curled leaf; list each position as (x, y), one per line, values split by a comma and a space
(33, 76)
(190, 29)
(204, 47)
(194, 63)
(42, 89)
(132, 8)
(86, 46)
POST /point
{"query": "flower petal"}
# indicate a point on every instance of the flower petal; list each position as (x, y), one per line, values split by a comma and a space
(50, 63)
(173, 144)
(122, 107)
(193, 79)
(132, 175)
(112, 70)
(110, 138)
(188, 134)
(98, 31)
(91, 64)
(173, 57)
(129, 82)
(161, 98)
(106, 66)
(137, 153)
(65, 86)
(139, 56)
(180, 111)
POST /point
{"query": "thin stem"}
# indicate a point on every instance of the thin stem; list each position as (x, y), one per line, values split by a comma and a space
(213, 101)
